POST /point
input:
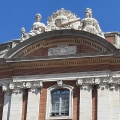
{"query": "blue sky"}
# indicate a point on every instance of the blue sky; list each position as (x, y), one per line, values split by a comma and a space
(15, 14)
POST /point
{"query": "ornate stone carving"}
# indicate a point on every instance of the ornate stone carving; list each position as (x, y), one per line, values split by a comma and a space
(59, 83)
(4, 87)
(28, 85)
(79, 82)
(11, 86)
(18, 86)
(97, 81)
(63, 19)
(85, 81)
(62, 50)
(90, 24)
(112, 87)
(17, 91)
(86, 87)
(102, 82)
(37, 84)
(103, 86)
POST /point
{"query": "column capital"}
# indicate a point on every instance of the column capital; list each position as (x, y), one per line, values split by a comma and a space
(109, 80)
(21, 85)
(34, 84)
(86, 87)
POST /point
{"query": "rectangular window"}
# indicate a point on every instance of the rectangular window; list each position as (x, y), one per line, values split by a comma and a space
(60, 102)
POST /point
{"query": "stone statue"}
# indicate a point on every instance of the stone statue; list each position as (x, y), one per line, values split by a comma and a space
(24, 35)
(90, 24)
(37, 27)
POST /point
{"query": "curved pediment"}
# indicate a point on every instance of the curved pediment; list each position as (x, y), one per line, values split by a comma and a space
(61, 42)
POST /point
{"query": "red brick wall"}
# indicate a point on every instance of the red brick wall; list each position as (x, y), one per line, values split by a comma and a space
(24, 106)
(85, 49)
(110, 39)
(39, 52)
(44, 51)
(76, 100)
(94, 103)
(43, 97)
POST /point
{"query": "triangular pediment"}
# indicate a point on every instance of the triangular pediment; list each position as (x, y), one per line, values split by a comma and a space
(61, 42)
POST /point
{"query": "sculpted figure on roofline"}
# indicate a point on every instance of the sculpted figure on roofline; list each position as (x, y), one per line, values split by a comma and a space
(90, 24)
(64, 19)
(24, 35)
(37, 27)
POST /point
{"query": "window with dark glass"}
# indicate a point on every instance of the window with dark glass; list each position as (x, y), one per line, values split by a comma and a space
(60, 102)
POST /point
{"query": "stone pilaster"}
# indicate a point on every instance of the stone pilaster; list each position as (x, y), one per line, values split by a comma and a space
(85, 105)
(6, 107)
(33, 100)
(114, 95)
(16, 105)
(86, 102)
(103, 103)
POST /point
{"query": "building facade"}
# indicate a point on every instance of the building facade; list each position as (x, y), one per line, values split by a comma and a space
(65, 70)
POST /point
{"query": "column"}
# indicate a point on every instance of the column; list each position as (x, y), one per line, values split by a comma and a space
(33, 104)
(86, 103)
(6, 107)
(16, 105)
(114, 103)
(103, 103)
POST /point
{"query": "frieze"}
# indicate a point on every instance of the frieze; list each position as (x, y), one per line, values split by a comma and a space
(60, 63)
(63, 62)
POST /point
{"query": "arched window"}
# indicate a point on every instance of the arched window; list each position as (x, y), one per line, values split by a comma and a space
(60, 102)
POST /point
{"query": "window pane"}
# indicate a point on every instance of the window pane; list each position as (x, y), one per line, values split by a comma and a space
(60, 102)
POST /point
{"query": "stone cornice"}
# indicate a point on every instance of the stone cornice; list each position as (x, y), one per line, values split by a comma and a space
(68, 76)
(67, 62)
(99, 78)
(62, 57)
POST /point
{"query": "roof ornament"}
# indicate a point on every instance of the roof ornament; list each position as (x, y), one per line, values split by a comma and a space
(24, 35)
(37, 27)
(90, 24)
(62, 19)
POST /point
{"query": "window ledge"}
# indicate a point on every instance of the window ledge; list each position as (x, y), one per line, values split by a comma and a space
(60, 118)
